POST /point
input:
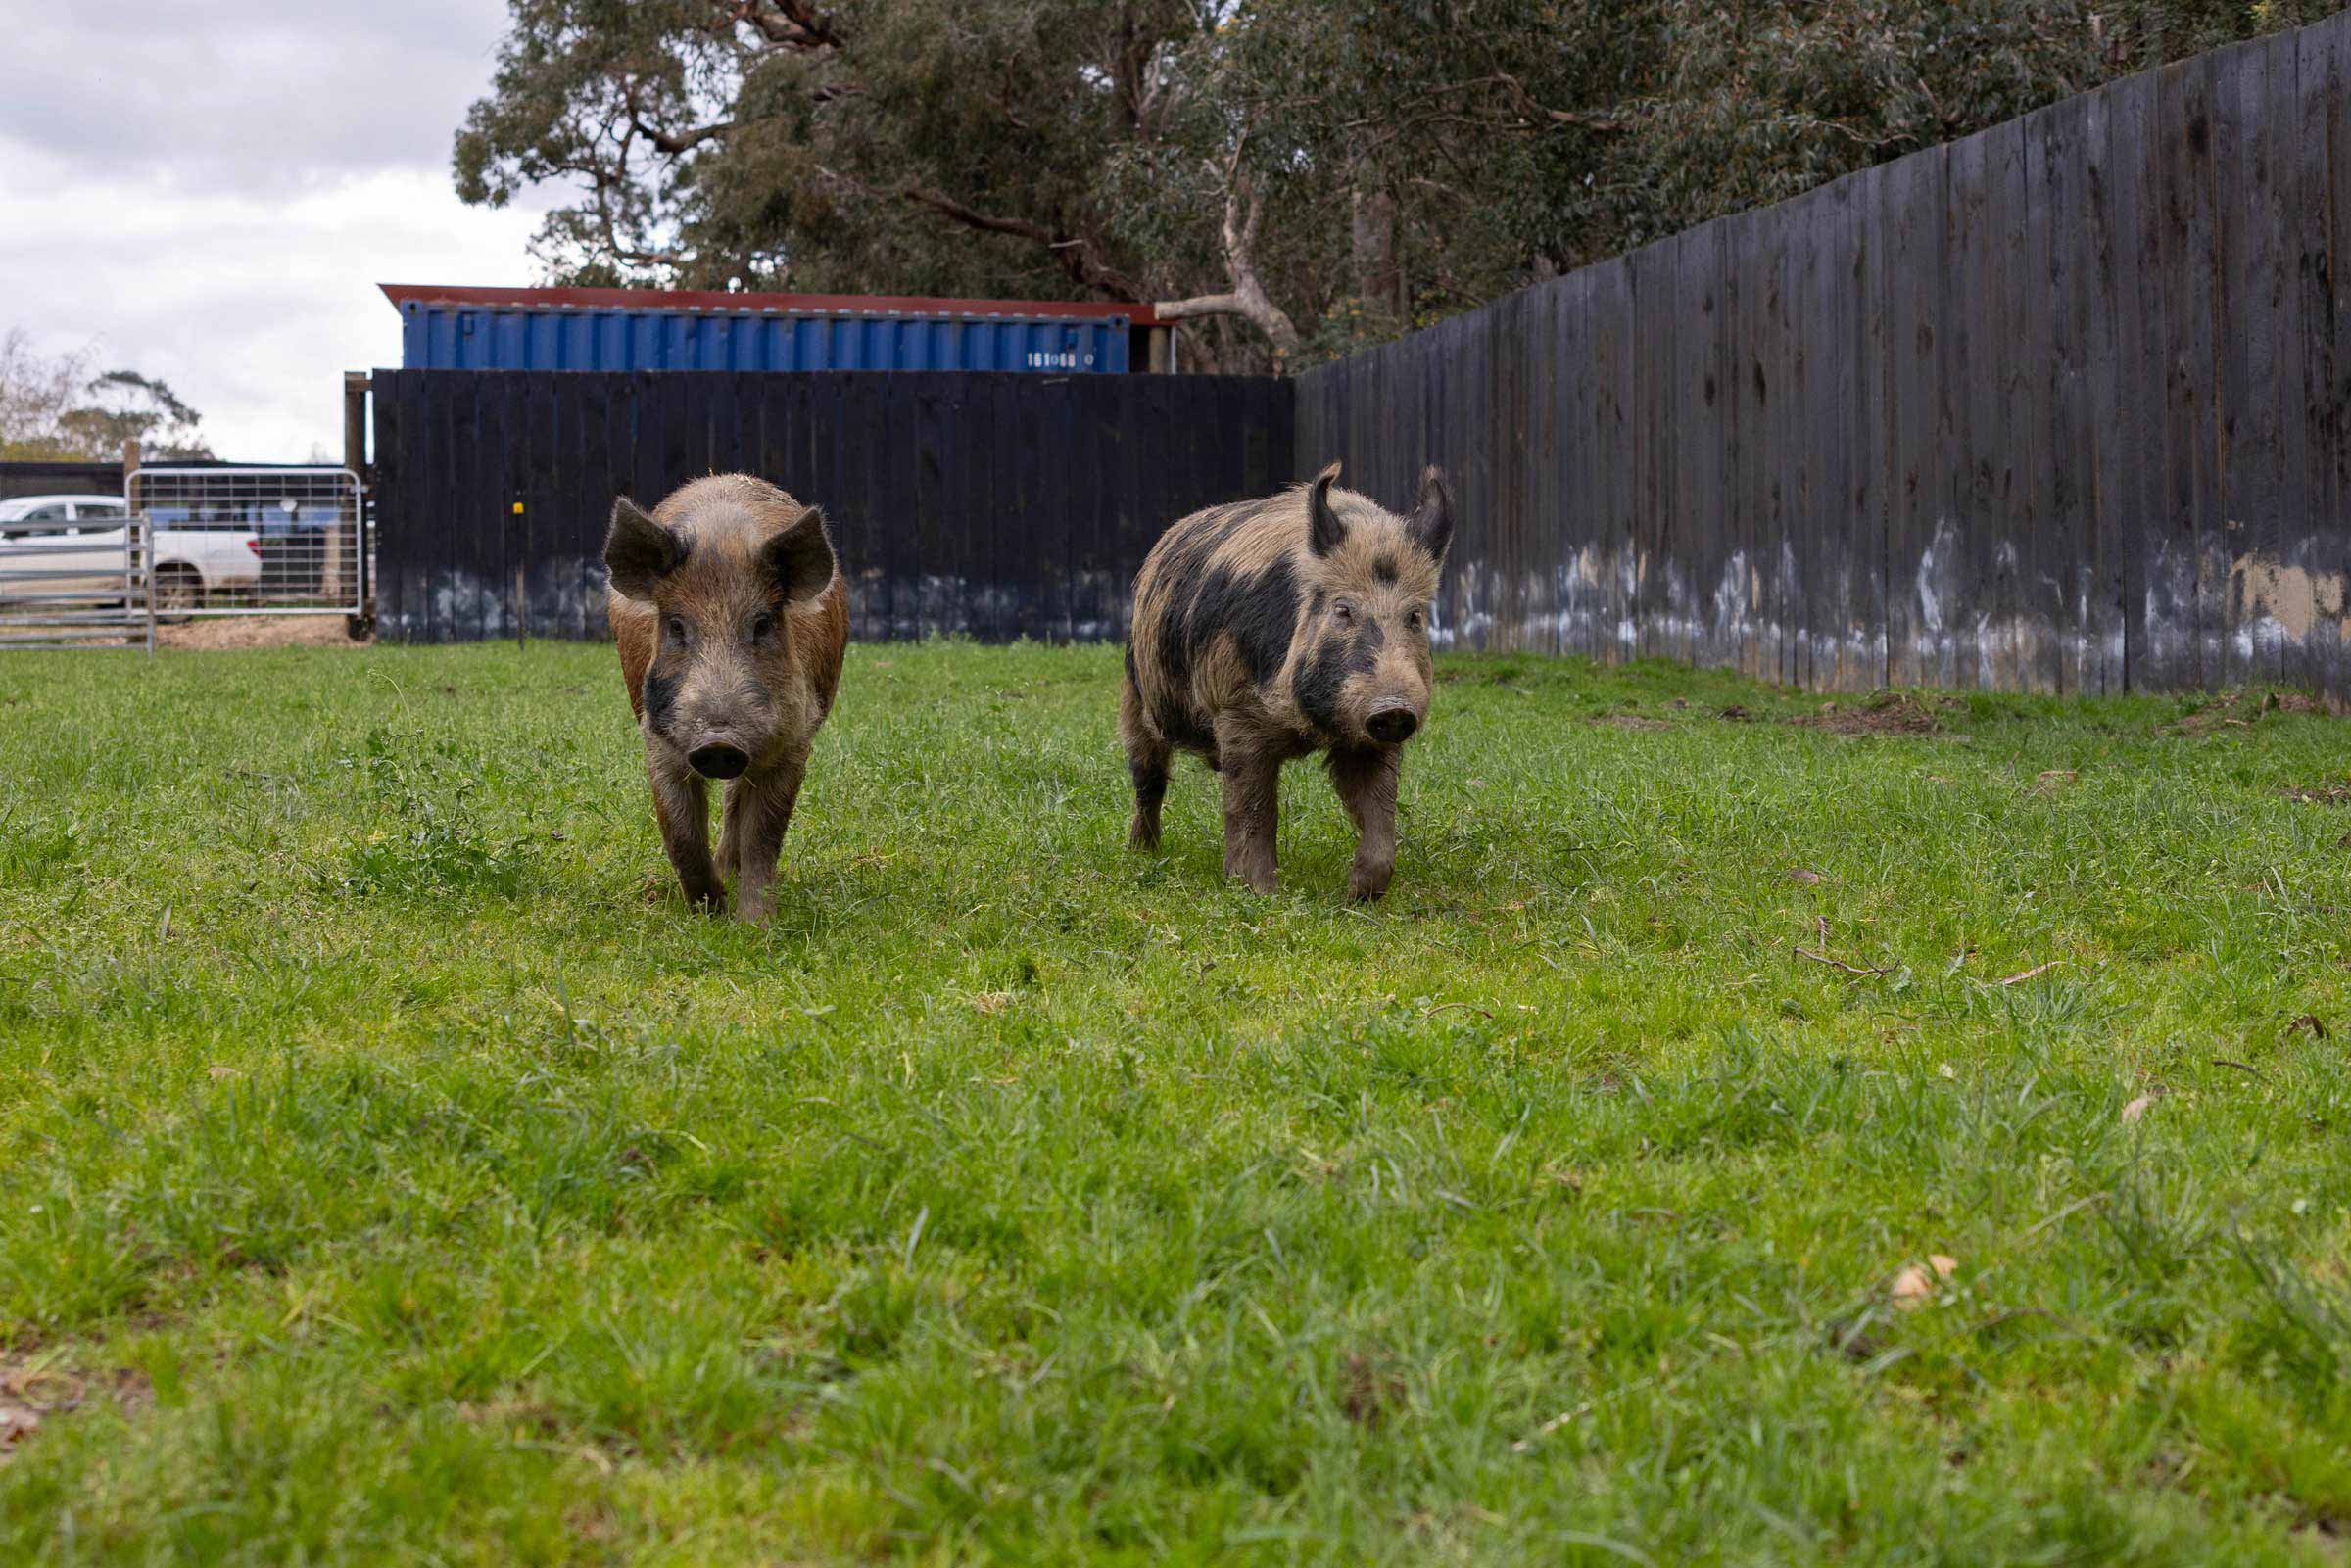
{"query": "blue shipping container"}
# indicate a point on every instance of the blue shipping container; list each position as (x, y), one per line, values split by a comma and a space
(441, 335)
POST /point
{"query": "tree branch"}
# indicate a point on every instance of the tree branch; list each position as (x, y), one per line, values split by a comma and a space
(1580, 118)
(1078, 255)
(788, 23)
(672, 143)
(678, 143)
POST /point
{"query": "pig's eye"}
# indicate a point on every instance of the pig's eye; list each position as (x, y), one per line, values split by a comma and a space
(1342, 612)
(762, 624)
(676, 628)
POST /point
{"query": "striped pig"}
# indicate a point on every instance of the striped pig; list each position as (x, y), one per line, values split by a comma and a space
(1271, 628)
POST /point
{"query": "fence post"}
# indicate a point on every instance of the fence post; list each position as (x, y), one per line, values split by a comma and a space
(357, 384)
(139, 535)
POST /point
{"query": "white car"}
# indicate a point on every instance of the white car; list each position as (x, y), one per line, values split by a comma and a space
(194, 562)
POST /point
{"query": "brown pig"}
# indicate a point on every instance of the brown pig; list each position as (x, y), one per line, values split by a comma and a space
(1271, 628)
(731, 620)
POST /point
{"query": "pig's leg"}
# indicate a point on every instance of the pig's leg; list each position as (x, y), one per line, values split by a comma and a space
(1146, 763)
(758, 811)
(1366, 786)
(684, 811)
(1252, 775)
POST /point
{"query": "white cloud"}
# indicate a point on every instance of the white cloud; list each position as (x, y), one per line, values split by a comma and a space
(212, 191)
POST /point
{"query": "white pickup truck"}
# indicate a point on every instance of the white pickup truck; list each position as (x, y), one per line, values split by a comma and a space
(193, 564)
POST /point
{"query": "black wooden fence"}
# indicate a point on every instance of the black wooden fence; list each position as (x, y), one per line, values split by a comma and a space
(2061, 406)
(998, 505)
(60, 478)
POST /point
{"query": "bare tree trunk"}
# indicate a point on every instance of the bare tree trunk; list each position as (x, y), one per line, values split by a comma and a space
(1247, 298)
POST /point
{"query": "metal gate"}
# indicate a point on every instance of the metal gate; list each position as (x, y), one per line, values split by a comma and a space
(71, 577)
(254, 541)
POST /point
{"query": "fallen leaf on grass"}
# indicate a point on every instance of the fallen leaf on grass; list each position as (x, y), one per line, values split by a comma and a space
(1800, 874)
(2037, 969)
(1914, 1286)
(219, 1070)
(2056, 779)
(989, 1003)
(2139, 1106)
(1737, 714)
(15, 1421)
(2310, 1022)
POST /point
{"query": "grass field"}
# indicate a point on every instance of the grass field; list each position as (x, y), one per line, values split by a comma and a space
(391, 1168)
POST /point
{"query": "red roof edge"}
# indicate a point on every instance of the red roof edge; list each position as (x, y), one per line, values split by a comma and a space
(722, 301)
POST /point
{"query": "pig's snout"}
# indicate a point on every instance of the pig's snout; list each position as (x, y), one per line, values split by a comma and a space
(718, 761)
(1392, 726)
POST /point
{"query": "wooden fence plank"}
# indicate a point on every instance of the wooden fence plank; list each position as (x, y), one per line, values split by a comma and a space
(2245, 340)
(1871, 428)
(1708, 623)
(1767, 380)
(2102, 275)
(2322, 207)
(1835, 311)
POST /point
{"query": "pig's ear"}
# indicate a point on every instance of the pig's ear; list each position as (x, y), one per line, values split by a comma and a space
(1324, 531)
(637, 552)
(1431, 522)
(799, 559)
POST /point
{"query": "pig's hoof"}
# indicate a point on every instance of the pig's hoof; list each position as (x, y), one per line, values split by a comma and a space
(1143, 834)
(1367, 886)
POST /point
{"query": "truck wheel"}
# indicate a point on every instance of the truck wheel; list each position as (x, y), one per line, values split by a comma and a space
(178, 592)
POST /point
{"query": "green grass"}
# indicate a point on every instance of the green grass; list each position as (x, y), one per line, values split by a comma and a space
(391, 1168)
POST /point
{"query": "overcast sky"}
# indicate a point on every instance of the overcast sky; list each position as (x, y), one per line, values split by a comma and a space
(211, 190)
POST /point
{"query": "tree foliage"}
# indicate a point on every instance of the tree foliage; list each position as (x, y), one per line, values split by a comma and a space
(1304, 175)
(54, 409)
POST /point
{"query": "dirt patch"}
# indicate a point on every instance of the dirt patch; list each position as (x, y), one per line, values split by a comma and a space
(2335, 794)
(35, 1388)
(260, 631)
(1879, 713)
(1500, 674)
(2241, 710)
(1632, 720)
